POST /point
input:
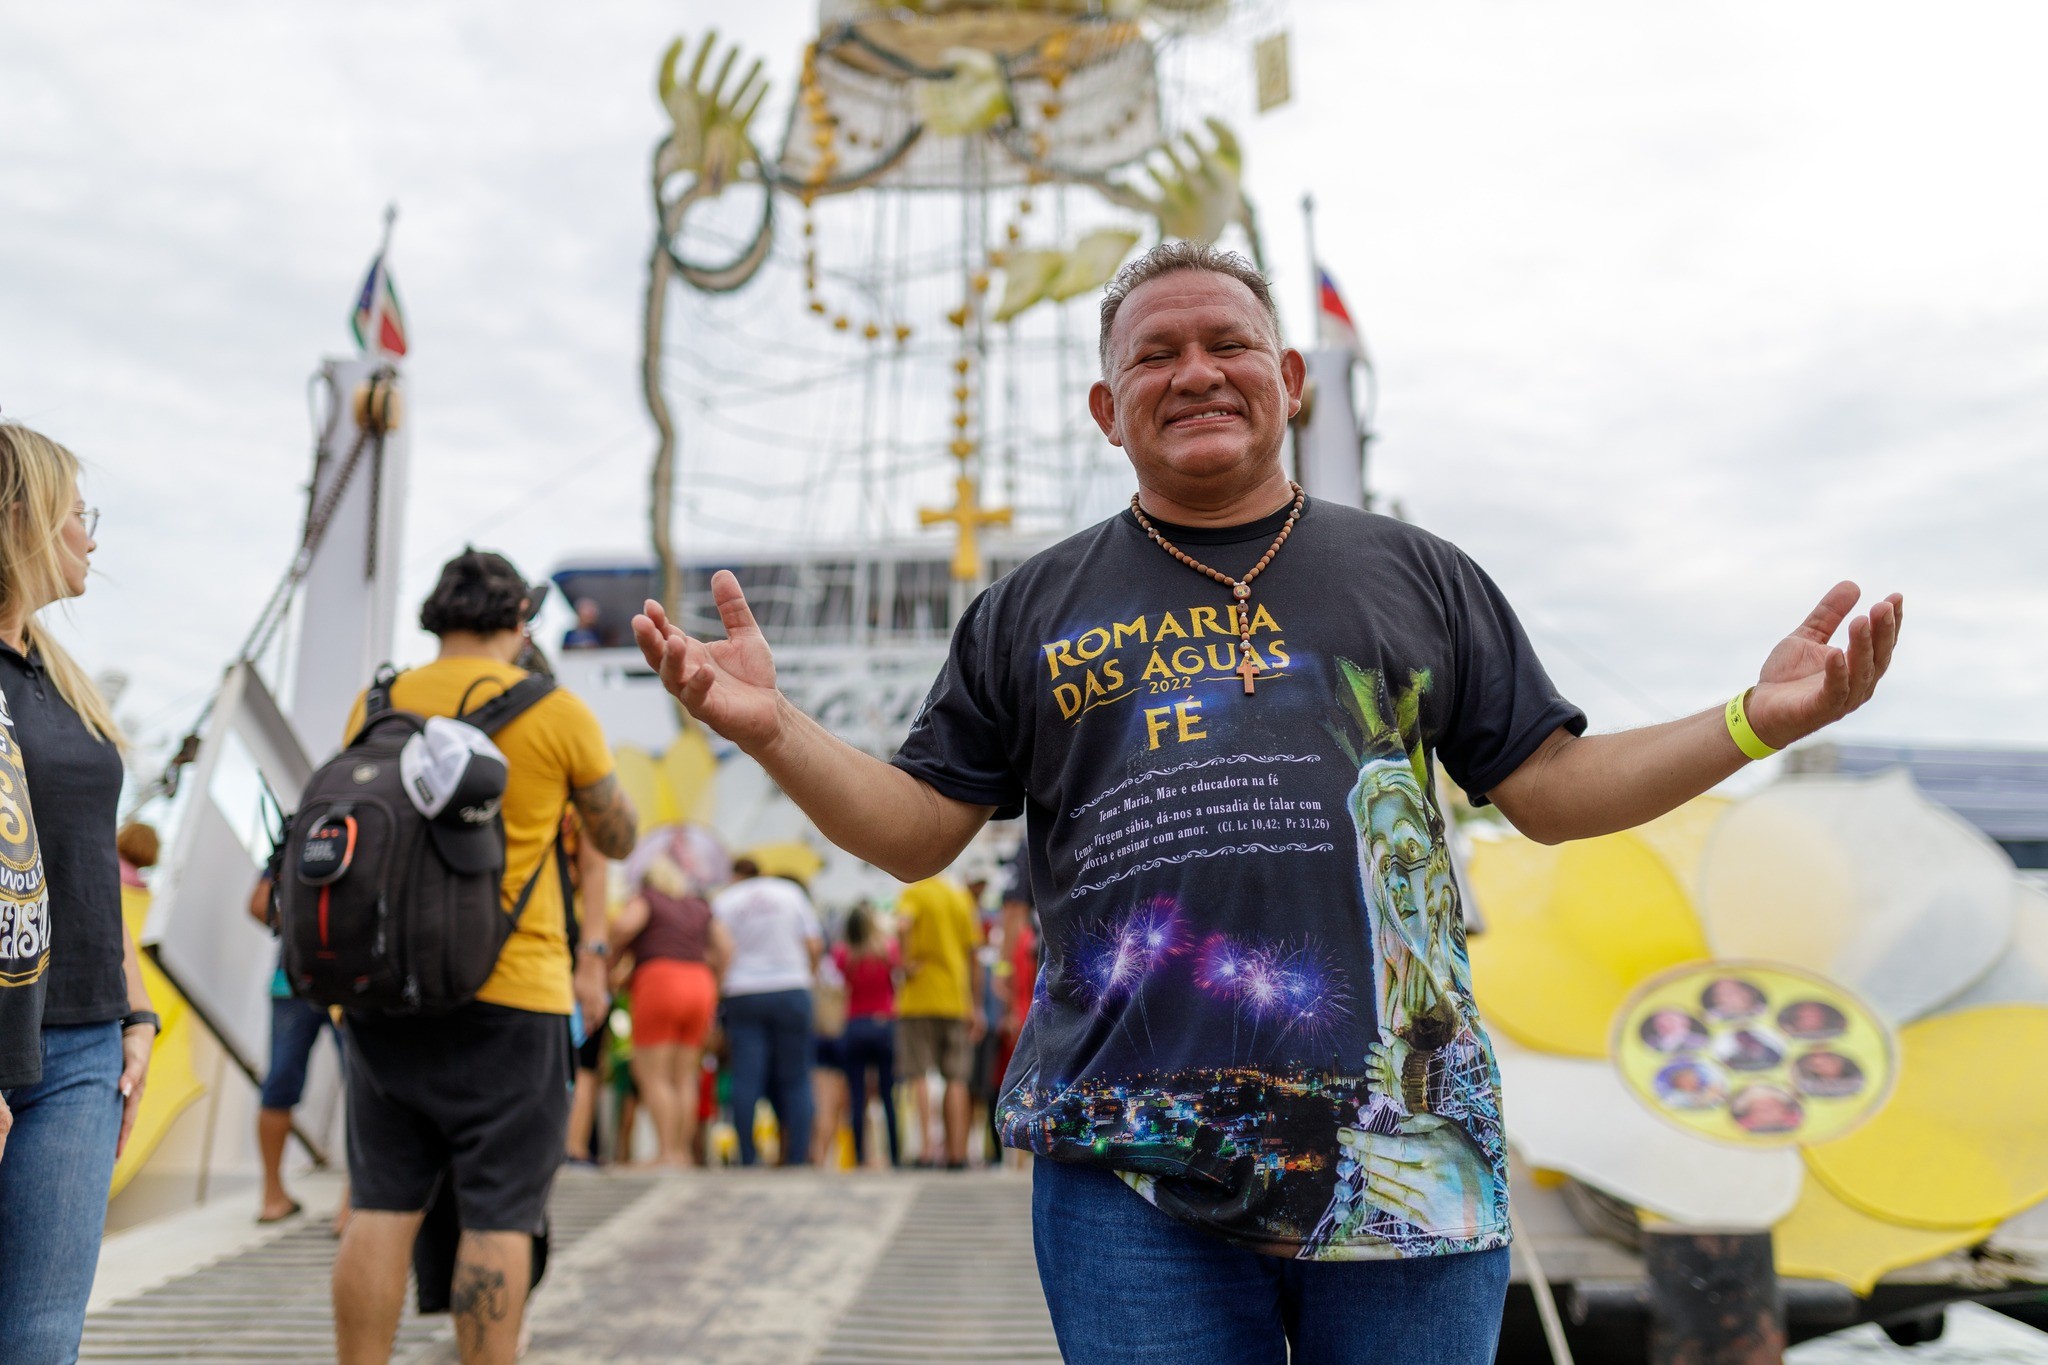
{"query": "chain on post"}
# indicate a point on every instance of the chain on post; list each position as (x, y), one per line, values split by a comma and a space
(378, 410)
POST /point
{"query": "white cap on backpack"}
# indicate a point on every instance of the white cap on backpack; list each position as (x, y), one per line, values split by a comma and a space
(455, 777)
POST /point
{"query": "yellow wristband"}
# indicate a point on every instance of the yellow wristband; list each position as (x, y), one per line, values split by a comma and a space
(1739, 730)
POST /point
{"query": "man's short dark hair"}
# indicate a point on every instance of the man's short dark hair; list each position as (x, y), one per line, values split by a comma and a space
(1165, 259)
(479, 592)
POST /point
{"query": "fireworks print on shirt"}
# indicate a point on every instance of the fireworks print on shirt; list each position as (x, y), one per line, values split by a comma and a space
(1408, 1107)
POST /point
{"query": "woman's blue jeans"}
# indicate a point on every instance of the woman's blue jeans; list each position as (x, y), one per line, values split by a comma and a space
(870, 1045)
(53, 1192)
(768, 1038)
(1129, 1285)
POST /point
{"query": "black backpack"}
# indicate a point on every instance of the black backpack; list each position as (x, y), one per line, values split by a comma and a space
(371, 917)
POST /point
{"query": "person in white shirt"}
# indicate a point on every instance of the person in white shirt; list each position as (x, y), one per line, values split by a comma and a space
(765, 1004)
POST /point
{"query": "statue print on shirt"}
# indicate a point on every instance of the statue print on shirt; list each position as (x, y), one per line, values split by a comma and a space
(1421, 1151)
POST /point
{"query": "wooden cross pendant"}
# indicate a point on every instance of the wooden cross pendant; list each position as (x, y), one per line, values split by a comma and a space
(1247, 668)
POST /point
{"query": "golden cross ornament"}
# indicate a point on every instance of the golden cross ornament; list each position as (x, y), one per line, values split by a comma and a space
(970, 516)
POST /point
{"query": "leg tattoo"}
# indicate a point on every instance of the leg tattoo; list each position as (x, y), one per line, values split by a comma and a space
(477, 1301)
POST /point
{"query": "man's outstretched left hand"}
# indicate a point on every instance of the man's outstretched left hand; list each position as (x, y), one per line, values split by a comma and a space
(1807, 683)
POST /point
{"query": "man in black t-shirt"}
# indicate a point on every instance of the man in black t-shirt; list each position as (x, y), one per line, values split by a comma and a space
(1270, 1112)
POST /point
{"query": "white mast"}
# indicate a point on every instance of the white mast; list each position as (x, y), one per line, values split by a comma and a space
(345, 578)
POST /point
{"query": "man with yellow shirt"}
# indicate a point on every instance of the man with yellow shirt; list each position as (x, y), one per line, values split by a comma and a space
(937, 1025)
(482, 1093)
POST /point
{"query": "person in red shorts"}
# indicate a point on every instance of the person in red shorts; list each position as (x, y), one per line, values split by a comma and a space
(679, 952)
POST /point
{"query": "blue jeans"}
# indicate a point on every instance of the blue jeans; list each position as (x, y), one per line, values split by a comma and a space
(769, 1037)
(1129, 1285)
(870, 1044)
(294, 1027)
(53, 1192)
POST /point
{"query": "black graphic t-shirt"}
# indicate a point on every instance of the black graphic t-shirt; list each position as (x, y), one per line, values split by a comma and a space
(24, 921)
(1255, 1002)
(77, 783)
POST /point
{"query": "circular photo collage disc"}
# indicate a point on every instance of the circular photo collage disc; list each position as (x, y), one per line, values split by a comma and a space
(1755, 1053)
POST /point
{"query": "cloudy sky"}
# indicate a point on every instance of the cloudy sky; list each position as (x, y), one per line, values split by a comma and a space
(1681, 313)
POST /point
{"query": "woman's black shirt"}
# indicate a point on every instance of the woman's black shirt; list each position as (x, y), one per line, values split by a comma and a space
(74, 783)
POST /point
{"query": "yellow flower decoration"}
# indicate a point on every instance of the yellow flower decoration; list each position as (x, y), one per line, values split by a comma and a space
(1855, 1079)
(173, 1084)
(688, 784)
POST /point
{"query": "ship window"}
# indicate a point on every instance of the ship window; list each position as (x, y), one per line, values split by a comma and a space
(923, 597)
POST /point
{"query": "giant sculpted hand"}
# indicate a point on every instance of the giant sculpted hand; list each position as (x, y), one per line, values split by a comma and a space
(728, 684)
(1806, 683)
(711, 134)
(1427, 1173)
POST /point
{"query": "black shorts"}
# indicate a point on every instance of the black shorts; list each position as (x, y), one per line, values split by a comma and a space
(590, 1056)
(480, 1095)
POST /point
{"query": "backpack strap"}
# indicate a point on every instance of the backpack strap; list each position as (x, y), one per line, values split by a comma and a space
(571, 921)
(377, 702)
(378, 699)
(501, 710)
(526, 894)
(493, 716)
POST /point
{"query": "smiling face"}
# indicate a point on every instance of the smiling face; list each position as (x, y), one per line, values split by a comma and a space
(1197, 389)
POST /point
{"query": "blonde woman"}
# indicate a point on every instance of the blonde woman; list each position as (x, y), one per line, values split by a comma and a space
(96, 1027)
(679, 952)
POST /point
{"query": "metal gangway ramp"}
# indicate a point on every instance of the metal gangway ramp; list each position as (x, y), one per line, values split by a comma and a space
(717, 1266)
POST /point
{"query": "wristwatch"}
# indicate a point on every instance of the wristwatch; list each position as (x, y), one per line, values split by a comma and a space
(149, 1017)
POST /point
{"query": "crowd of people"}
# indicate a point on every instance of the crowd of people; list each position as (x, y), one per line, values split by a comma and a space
(742, 1011)
(711, 991)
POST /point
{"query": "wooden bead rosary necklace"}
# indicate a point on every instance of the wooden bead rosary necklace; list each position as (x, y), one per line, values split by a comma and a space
(1240, 588)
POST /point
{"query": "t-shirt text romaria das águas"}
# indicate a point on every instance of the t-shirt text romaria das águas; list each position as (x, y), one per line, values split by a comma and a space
(1256, 1003)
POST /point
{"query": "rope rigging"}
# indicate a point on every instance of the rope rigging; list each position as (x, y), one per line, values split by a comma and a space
(376, 410)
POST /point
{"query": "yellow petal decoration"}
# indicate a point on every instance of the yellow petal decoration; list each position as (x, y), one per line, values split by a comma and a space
(691, 772)
(172, 1083)
(1570, 931)
(1824, 1238)
(1092, 263)
(798, 862)
(641, 778)
(1025, 280)
(1964, 1140)
(1680, 838)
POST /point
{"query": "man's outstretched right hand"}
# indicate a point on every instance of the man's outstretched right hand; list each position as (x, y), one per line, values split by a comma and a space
(728, 684)
(881, 813)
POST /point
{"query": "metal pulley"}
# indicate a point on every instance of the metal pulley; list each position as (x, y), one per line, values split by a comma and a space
(377, 404)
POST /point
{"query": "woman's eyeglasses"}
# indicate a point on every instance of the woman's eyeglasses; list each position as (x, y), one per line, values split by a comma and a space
(91, 517)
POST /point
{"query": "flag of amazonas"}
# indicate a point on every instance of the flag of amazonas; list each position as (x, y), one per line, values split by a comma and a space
(1334, 327)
